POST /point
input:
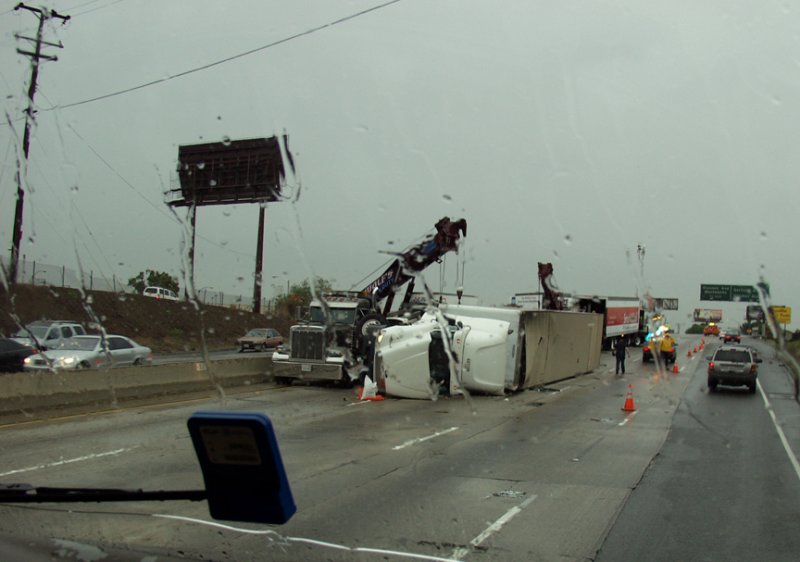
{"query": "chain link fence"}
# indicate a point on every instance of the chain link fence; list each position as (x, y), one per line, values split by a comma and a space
(52, 275)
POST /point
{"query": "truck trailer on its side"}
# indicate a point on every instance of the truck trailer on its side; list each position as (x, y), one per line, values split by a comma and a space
(455, 349)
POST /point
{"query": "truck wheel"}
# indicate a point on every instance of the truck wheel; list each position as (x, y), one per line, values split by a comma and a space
(363, 326)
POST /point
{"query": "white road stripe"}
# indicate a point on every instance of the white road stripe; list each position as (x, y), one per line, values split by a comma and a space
(65, 461)
(627, 418)
(276, 537)
(421, 439)
(460, 553)
(786, 446)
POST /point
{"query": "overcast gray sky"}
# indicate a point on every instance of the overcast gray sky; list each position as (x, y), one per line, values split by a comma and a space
(565, 131)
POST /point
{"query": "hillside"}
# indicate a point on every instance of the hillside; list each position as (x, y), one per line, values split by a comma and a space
(161, 325)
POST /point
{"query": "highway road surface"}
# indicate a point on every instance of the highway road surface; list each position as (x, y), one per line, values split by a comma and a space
(560, 473)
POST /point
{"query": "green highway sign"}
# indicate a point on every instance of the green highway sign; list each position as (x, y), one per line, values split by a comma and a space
(730, 293)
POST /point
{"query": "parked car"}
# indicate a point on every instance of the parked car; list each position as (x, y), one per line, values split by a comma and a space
(12, 355)
(732, 335)
(733, 366)
(48, 334)
(160, 293)
(260, 339)
(91, 352)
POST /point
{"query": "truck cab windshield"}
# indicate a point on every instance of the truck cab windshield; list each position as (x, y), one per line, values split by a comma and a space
(339, 315)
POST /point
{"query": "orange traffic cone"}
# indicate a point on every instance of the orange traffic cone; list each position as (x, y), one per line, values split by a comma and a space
(675, 368)
(629, 407)
(688, 353)
(695, 349)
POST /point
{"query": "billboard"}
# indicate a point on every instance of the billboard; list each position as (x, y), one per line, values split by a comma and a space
(665, 303)
(755, 313)
(230, 172)
(707, 315)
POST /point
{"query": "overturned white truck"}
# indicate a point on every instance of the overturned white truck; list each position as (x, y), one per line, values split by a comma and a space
(490, 350)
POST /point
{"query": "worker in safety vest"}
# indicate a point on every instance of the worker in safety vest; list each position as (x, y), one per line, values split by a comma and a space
(667, 343)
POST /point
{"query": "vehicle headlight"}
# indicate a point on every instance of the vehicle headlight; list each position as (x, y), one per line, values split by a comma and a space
(27, 360)
(68, 361)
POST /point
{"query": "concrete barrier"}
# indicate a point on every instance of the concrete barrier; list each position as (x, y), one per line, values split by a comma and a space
(30, 392)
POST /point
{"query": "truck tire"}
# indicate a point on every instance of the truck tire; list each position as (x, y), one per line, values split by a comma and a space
(363, 326)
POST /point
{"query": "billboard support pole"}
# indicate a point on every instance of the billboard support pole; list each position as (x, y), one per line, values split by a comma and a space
(259, 262)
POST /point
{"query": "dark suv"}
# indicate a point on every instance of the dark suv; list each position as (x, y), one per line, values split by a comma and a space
(734, 366)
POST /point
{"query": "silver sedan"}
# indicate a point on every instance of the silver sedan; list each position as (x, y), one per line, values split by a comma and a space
(91, 352)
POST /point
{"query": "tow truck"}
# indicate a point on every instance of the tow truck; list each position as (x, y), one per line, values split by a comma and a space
(336, 342)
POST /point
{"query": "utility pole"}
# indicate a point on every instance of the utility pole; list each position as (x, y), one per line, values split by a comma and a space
(43, 14)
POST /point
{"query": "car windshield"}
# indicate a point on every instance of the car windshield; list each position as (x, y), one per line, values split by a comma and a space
(338, 315)
(83, 343)
(451, 213)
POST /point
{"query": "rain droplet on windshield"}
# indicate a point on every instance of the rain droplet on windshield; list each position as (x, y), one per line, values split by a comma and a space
(226, 140)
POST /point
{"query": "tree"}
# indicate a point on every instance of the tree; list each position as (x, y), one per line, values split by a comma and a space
(300, 294)
(154, 279)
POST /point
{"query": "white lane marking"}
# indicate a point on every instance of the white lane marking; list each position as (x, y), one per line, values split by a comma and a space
(627, 418)
(460, 553)
(422, 439)
(786, 446)
(66, 461)
(280, 539)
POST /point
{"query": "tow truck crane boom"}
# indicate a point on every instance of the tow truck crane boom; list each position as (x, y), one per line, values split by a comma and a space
(413, 260)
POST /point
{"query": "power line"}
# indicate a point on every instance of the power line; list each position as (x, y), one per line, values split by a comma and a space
(228, 59)
(96, 8)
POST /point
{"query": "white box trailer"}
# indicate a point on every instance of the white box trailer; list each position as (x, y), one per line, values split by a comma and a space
(621, 316)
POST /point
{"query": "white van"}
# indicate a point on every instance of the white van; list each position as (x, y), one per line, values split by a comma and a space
(160, 293)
